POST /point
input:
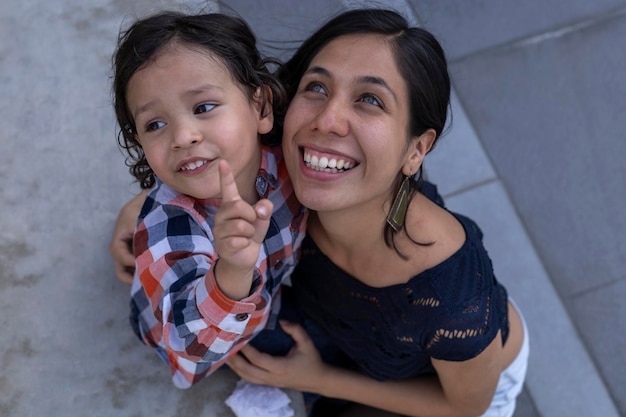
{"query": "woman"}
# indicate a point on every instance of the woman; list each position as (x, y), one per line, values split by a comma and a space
(400, 285)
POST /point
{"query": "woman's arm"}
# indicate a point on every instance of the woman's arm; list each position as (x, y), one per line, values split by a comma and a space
(122, 239)
(459, 388)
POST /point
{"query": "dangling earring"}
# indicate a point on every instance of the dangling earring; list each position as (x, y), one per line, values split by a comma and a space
(397, 213)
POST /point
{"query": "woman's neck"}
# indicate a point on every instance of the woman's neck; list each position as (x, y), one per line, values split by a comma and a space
(354, 241)
(346, 234)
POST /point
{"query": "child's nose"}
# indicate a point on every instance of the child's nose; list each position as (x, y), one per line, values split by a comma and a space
(186, 135)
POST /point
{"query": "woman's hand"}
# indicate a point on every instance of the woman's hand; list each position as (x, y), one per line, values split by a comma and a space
(460, 388)
(301, 369)
(121, 246)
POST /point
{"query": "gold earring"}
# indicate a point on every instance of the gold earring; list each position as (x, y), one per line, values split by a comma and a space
(397, 213)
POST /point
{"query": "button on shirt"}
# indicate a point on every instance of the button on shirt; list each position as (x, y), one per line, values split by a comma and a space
(177, 307)
(241, 316)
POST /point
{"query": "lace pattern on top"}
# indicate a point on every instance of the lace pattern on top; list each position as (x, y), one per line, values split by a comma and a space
(449, 312)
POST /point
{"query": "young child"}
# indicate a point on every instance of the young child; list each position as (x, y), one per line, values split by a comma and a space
(194, 101)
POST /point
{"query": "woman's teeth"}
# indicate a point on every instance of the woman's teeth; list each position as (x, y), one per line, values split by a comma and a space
(193, 165)
(326, 164)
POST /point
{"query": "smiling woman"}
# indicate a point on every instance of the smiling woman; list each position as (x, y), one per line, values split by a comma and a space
(402, 288)
(341, 112)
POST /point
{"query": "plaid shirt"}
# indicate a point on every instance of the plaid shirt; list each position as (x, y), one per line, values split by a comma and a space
(177, 307)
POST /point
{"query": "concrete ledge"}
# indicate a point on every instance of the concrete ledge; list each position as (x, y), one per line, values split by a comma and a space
(562, 379)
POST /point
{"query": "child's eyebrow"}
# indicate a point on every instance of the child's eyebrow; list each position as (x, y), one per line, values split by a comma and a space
(203, 89)
(143, 108)
(191, 92)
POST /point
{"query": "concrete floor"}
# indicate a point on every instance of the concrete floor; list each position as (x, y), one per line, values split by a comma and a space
(535, 155)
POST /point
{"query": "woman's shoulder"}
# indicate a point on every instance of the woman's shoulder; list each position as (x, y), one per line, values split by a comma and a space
(454, 248)
(438, 231)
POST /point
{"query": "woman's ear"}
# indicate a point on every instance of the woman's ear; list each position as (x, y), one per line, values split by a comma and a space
(418, 148)
(263, 104)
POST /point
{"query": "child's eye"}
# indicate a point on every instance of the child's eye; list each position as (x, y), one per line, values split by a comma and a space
(370, 99)
(315, 87)
(152, 126)
(203, 108)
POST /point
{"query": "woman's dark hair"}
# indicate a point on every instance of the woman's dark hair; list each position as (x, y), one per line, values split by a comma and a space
(228, 38)
(418, 56)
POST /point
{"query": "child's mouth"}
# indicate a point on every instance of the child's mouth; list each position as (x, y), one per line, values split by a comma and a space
(193, 165)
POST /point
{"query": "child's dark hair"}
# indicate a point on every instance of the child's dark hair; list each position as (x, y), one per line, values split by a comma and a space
(229, 38)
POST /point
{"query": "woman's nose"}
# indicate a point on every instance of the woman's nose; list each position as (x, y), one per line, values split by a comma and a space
(333, 118)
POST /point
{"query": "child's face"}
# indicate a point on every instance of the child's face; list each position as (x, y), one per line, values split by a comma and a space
(189, 113)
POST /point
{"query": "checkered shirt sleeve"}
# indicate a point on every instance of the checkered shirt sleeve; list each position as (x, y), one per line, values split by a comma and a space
(177, 307)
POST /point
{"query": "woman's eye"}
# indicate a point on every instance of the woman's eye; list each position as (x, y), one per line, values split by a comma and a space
(203, 108)
(369, 99)
(152, 126)
(316, 88)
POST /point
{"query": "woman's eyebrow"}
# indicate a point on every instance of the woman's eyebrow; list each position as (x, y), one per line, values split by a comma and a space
(365, 79)
(317, 70)
(368, 79)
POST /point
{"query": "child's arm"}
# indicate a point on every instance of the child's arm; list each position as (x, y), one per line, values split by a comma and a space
(199, 300)
(239, 232)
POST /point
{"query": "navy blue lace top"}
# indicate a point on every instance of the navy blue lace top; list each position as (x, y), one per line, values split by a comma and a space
(451, 312)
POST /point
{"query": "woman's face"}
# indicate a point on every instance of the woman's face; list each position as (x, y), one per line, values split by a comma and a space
(345, 133)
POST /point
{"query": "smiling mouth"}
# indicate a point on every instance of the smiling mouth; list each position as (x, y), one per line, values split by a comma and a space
(327, 163)
(193, 165)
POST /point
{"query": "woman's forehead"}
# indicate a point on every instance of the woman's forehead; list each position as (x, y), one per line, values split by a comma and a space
(359, 58)
(356, 46)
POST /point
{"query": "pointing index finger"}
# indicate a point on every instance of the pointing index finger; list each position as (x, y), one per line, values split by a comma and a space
(227, 182)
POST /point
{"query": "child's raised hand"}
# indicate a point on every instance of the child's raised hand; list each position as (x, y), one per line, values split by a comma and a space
(239, 231)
